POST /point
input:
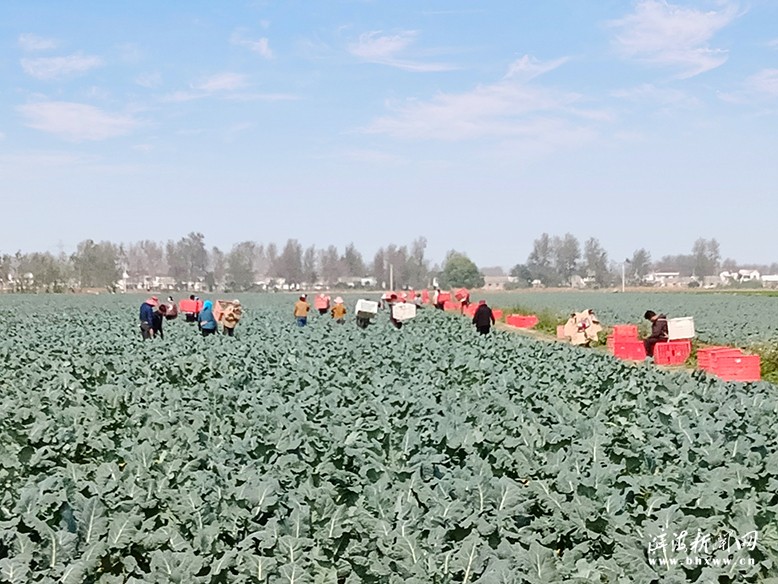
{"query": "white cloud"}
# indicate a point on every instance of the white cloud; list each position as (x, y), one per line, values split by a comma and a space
(221, 82)
(149, 80)
(32, 42)
(260, 46)
(373, 47)
(765, 82)
(506, 109)
(664, 34)
(529, 67)
(75, 121)
(50, 68)
(658, 95)
(226, 86)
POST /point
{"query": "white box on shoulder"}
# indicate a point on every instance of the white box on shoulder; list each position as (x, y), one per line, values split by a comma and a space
(403, 311)
(680, 328)
(366, 308)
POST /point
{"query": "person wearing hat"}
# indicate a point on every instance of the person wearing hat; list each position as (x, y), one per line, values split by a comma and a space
(206, 320)
(230, 317)
(301, 309)
(338, 311)
(147, 317)
(483, 319)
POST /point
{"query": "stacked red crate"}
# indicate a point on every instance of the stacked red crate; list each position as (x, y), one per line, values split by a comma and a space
(624, 343)
(672, 352)
(730, 367)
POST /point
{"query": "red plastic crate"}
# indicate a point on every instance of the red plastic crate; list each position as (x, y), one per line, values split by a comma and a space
(738, 367)
(497, 313)
(703, 356)
(629, 350)
(625, 331)
(521, 320)
(672, 352)
(711, 354)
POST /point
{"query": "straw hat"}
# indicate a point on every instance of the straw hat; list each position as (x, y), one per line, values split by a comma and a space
(339, 300)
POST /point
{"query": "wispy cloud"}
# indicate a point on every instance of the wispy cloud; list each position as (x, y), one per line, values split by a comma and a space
(227, 86)
(757, 90)
(75, 121)
(666, 97)
(391, 50)
(260, 46)
(52, 68)
(32, 42)
(149, 80)
(529, 67)
(664, 34)
(221, 82)
(509, 108)
(765, 82)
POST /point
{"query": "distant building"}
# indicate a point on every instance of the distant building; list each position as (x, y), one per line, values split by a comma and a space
(498, 282)
(663, 279)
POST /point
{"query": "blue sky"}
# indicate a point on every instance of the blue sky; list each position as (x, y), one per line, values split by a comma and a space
(478, 125)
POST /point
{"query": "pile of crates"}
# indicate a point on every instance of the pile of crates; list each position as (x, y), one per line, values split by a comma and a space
(729, 364)
(625, 344)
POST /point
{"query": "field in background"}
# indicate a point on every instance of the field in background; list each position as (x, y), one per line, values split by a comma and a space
(735, 319)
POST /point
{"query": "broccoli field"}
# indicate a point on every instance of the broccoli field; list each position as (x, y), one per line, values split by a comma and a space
(331, 454)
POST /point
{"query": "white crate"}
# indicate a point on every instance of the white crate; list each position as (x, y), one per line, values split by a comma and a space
(680, 328)
(404, 311)
(366, 308)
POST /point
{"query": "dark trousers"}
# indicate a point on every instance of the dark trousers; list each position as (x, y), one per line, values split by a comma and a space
(229, 331)
(649, 344)
(322, 311)
(483, 329)
(145, 330)
(207, 332)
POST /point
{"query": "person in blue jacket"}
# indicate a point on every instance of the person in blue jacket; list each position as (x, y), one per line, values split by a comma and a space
(147, 317)
(206, 320)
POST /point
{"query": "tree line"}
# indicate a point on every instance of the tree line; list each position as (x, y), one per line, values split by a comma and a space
(556, 260)
(553, 261)
(189, 260)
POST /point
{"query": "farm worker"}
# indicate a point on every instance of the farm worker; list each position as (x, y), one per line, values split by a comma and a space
(147, 317)
(232, 314)
(159, 317)
(483, 319)
(658, 331)
(191, 313)
(393, 299)
(436, 299)
(301, 308)
(464, 298)
(206, 319)
(322, 303)
(339, 311)
(171, 310)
